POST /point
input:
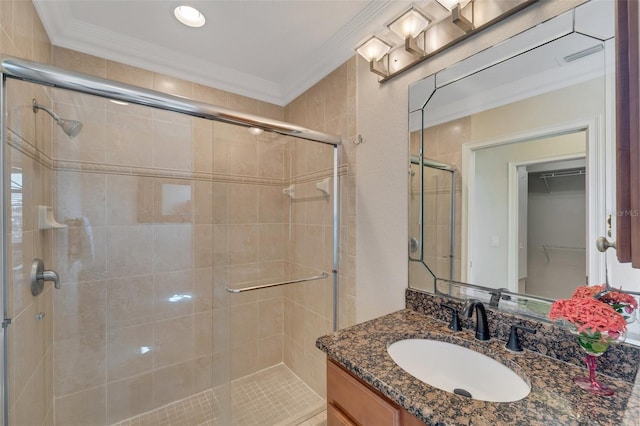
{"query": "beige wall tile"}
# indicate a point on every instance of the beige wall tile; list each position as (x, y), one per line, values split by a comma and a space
(204, 201)
(172, 383)
(210, 95)
(130, 75)
(336, 90)
(79, 62)
(25, 349)
(202, 290)
(129, 199)
(203, 373)
(270, 317)
(272, 204)
(243, 324)
(220, 329)
(6, 17)
(202, 145)
(79, 364)
(129, 251)
(172, 294)
(243, 203)
(171, 145)
(243, 241)
(129, 397)
(80, 310)
(172, 248)
(271, 242)
(173, 86)
(130, 351)
(129, 137)
(86, 201)
(242, 103)
(270, 351)
(271, 159)
(220, 281)
(243, 155)
(173, 341)
(203, 246)
(244, 359)
(203, 333)
(23, 13)
(82, 408)
(129, 301)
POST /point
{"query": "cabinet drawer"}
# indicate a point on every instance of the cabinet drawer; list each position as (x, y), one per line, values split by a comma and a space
(362, 405)
(335, 417)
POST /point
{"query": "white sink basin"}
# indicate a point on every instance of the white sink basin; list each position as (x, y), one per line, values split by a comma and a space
(458, 370)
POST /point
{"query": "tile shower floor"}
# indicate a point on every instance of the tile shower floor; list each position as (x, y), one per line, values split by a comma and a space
(271, 397)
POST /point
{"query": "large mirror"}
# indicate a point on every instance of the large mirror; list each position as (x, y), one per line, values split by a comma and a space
(507, 175)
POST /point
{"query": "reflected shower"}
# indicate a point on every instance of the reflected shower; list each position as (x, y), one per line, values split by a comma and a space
(70, 127)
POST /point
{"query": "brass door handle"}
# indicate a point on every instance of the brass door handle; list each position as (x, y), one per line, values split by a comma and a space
(602, 244)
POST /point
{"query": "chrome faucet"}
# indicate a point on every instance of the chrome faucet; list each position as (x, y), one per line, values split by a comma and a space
(482, 327)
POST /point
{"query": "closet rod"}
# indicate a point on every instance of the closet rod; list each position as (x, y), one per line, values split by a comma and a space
(563, 174)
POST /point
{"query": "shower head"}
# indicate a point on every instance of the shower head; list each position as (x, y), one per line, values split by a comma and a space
(70, 127)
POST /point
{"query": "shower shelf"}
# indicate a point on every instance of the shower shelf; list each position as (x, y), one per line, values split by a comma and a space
(276, 284)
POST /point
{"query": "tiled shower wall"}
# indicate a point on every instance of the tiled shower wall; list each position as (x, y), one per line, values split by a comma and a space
(330, 106)
(148, 303)
(97, 275)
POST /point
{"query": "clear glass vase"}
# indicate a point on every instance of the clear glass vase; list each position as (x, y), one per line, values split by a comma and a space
(594, 344)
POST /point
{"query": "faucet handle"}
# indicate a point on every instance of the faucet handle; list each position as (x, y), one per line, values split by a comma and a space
(513, 344)
(455, 319)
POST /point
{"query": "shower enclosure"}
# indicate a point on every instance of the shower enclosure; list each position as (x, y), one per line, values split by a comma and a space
(197, 262)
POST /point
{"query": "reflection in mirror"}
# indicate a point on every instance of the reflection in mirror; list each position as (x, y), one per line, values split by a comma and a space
(432, 202)
(525, 126)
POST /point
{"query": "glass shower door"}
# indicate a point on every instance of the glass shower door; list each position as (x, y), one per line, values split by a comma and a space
(130, 331)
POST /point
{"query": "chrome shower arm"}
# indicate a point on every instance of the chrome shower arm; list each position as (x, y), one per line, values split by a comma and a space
(36, 106)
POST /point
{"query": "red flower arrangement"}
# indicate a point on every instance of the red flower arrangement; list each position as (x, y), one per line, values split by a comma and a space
(588, 314)
(604, 315)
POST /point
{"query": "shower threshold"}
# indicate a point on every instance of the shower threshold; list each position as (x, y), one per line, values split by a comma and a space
(271, 397)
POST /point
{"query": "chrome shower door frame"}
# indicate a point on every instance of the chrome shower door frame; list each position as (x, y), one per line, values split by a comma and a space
(42, 74)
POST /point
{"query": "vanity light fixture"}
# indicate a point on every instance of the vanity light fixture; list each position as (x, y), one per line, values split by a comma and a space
(427, 30)
(451, 4)
(189, 16)
(373, 50)
(408, 26)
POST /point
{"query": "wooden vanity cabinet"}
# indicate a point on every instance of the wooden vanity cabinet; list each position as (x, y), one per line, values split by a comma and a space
(350, 402)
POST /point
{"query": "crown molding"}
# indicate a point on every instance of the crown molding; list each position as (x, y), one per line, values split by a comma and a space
(64, 30)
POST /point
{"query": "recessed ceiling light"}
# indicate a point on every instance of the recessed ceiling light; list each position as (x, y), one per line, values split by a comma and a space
(189, 16)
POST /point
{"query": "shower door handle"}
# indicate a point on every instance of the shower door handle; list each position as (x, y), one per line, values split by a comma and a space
(39, 276)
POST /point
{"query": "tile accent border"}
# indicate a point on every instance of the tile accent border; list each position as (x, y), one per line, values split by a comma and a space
(26, 148)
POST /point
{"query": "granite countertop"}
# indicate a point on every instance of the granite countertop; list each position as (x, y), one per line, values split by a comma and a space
(554, 399)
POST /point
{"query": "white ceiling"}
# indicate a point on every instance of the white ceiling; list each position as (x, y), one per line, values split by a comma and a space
(271, 50)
